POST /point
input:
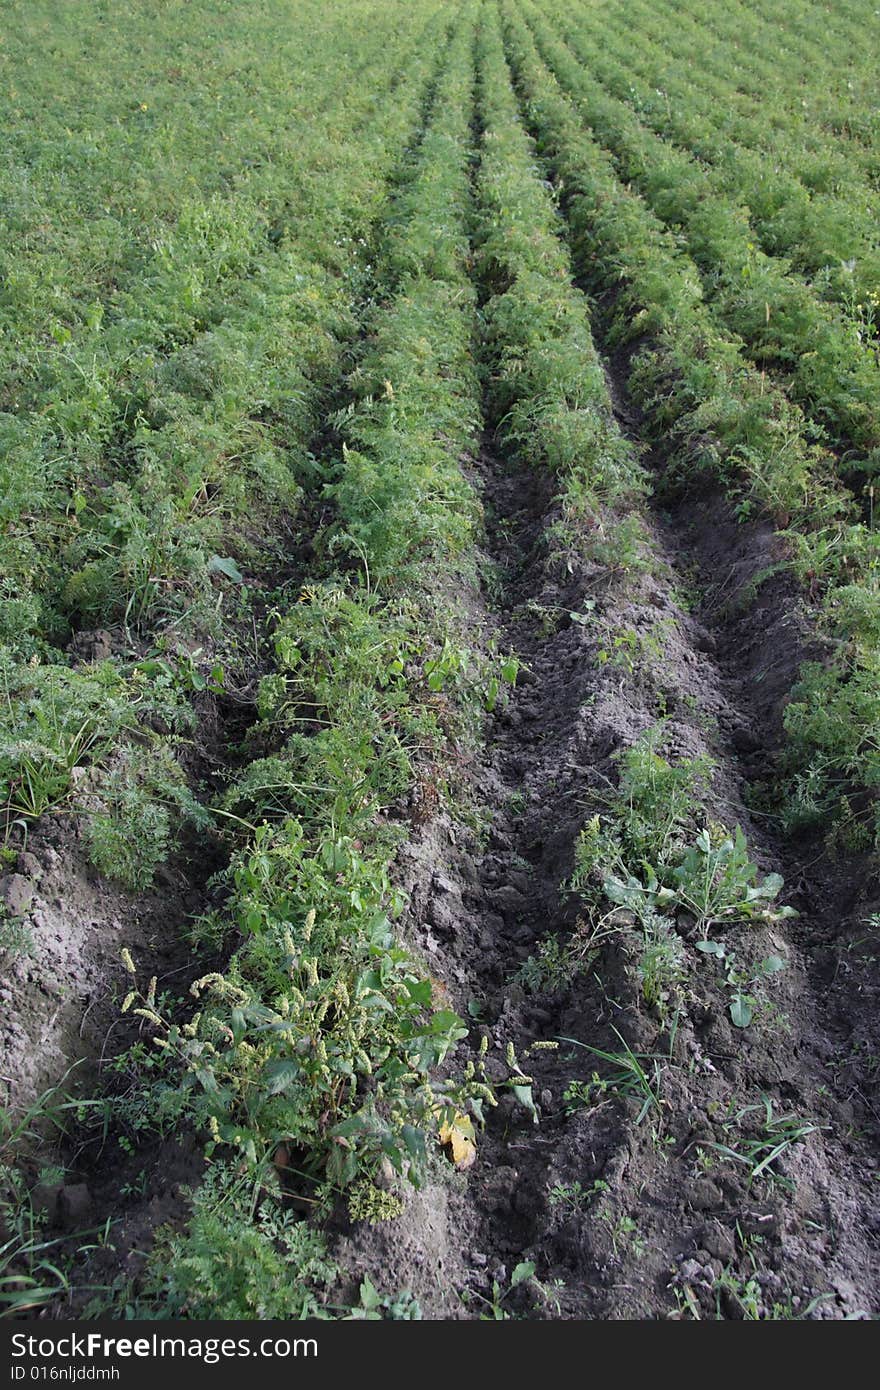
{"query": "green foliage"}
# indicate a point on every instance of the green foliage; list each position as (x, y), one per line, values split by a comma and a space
(661, 965)
(402, 1307)
(813, 203)
(752, 294)
(546, 390)
(29, 1274)
(550, 970)
(66, 732)
(718, 882)
(143, 800)
(631, 1074)
(16, 938)
(166, 334)
(833, 723)
(758, 1136)
(372, 1204)
(740, 979)
(168, 342)
(648, 855)
(688, 377)
(647, 859)
(655, 804)
(322, 1034)
(671, 243)
(54, 720)
(242, 1257)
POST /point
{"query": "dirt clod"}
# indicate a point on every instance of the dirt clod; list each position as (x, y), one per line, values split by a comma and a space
(17, 892)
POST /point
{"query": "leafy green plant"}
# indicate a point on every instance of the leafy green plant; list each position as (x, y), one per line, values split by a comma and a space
(29, 1274)
(624, 1232)
(140, 802)
(522, 1273)
(242, 1256)
(54, 721)
(400, 1307)
(629, 1076)
(631, 649)
(718, 883)
(551, 969)
(323, 1036)
(647, 856)
(741, 980)
(772, 1134)
(574, 1196)
(547, 395)
(661, 965)
(16, 938)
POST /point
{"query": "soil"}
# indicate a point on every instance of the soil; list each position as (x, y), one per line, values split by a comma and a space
(623, 1213)
(627, 1205)
(626, 1214)
(60, 996)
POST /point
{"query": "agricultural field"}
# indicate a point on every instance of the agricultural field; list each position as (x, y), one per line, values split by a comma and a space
(440, 660)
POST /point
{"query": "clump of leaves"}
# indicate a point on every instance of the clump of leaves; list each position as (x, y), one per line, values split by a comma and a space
(550, 969)
(645, 862)
(16, 938)
(323, 1033)
(242, 1257)
(30, 1272)
(141, 801)
(742, 980)
(648, 854)
(369, 1203)
(373, 1306)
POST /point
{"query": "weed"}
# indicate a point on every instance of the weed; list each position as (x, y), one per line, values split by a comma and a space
(645, 864)
(741, 980)
(29, 1276)
(574, 1196)
(523, 1272)
(546, 617)
(401, 1307)
(661, 966)
(631, 649)
(623, 1231)
(718, 883)
(771, 1137)
(550, 970)
(629, 1077)
(16, 937)
(242, 1256)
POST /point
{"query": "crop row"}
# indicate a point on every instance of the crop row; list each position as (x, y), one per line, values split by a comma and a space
(710, 409)
(178, 419)
(547, 396)
(707, 101)
(317, 1047)
(822, 213)
(743, 426)
(813, 73)
(141, 423)
(169, 442)
(649, 849)
(829, 43)
(754, 295)
(316, 1050)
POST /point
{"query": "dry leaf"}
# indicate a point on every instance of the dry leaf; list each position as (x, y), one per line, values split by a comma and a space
(459, 1141)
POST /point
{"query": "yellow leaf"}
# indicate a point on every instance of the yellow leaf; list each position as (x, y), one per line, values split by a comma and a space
(459, 1141)
(439, 993)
